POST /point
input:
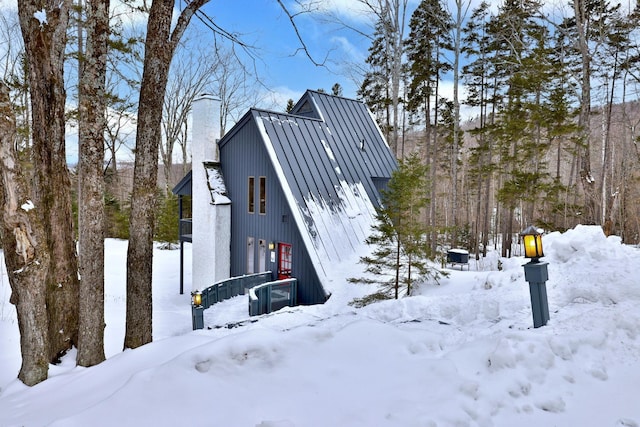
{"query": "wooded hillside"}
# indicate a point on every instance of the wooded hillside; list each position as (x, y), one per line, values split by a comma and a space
(553, 141)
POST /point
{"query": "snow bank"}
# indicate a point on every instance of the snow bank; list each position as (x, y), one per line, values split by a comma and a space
(463, 353)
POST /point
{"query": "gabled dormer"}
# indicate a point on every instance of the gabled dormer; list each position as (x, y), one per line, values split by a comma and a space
(306, 107)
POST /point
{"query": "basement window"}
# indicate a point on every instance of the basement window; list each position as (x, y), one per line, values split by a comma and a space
(263, 195)
(251, 192)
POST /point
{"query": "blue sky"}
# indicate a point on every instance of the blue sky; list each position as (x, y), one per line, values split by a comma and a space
(282, 66)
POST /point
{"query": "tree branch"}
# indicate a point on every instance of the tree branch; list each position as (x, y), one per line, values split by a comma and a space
(304, 47)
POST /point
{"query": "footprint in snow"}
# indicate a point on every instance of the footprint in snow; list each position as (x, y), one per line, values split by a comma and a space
(552, 405)
(626, 422)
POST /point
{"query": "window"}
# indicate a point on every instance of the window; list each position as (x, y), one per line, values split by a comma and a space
(263, 195)
(250, 255)
(262, 255)
(252, 204)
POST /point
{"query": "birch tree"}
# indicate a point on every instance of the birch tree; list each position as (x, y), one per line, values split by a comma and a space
(391, 16)
(458, 18)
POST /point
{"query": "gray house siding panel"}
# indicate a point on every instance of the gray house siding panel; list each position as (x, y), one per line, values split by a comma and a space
(243, 155)
(325, 208)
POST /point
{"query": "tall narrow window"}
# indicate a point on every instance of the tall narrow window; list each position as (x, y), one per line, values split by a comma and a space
(263, 195)
(262, 255)
(250, 255)
(252, 185)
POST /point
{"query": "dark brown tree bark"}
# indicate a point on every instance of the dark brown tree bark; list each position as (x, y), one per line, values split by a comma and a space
(92, 125)
(26, 251)
(160, 45)
(44, 30)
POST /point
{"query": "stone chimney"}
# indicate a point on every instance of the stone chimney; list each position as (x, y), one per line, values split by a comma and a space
(211, 228)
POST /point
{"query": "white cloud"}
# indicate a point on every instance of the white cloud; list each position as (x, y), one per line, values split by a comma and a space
(277, 98)
(349, 10)
(353, 52)
(445, 89)
(128, 13)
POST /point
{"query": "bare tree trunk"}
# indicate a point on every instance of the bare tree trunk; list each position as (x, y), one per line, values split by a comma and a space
(141, 224)
(160, 45)
(397, 10)
(433, 171)
(26, 252)
(462, 7)
(92, 125)
(392, 13)
(45, 42)
(185, 157)
(490, 180)
(606, 204)
(588, 182)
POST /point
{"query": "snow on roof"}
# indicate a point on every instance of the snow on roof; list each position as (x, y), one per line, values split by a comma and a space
(216, 185)
(459, 251)
(326, 176)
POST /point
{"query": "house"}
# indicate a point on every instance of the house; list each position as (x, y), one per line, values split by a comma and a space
(294, 194)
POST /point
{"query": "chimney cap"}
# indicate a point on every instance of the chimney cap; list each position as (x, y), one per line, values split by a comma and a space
(206, 96)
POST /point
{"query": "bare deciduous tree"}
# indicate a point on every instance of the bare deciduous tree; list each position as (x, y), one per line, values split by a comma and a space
(191, 72)
(160, 45)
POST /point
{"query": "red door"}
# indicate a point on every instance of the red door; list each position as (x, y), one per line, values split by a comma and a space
(284, 261)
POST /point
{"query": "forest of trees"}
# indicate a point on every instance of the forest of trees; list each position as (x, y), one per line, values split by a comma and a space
(550, 138)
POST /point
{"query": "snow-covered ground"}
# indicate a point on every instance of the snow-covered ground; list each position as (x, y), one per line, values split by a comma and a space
(460, 354)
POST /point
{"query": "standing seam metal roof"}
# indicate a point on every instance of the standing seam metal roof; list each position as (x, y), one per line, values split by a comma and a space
(326, 157)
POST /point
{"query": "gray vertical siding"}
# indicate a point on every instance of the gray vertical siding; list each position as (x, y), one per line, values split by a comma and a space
(300, 142)
(243, 154)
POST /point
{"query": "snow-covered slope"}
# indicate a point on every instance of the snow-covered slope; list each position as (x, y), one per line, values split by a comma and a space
(460, 354)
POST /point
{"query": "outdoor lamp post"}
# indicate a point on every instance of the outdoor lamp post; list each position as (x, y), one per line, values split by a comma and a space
(535, 272)
(197, 310)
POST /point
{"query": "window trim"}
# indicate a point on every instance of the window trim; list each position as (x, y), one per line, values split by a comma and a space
(251, 193)
(262, 199)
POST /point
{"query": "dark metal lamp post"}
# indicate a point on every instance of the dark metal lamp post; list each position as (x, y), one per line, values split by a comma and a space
(535, 272)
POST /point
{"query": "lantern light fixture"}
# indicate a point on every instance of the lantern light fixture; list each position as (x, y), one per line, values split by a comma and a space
(196, 298)
(532, 240)
(272, 246)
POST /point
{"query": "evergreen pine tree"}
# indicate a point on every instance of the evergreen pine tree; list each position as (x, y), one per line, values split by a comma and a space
(167, 227)
(375, 90)
(290, 105)
(400, 256)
